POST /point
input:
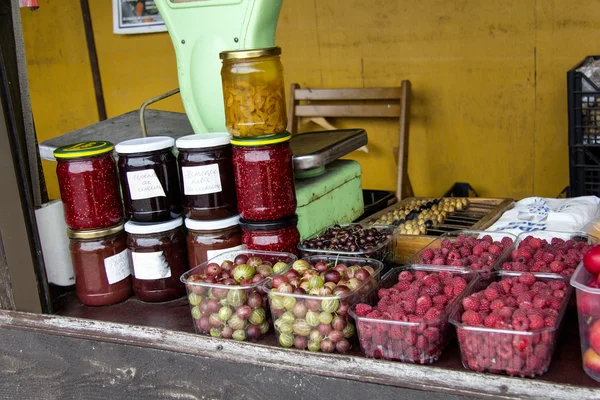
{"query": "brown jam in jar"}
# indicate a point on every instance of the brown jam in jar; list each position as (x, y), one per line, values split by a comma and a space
(101, 264)
(281, 235)
(158, 253)
(149, 179)
(208, 239)
(206, 176)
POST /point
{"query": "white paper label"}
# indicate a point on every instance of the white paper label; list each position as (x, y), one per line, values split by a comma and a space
(203, 179)
(213, 253)
(117, 267)
(150, 266)
(144, 185)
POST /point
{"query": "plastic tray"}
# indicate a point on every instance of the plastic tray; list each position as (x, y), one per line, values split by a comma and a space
(384, 252)
(546, 235)
(588, 310)
(415, 342)
(497, 350)
(202, 296)
(282, 305)
(453, 237)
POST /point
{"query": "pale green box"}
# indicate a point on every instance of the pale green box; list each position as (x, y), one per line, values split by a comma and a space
(333, 197)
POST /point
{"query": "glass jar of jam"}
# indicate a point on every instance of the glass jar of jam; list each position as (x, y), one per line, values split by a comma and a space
(101, 264)
(158, 254)
(89, 185)
(149, 179)
(206, 173)
(264, 178)
(279, 235)
(208, 239)
(253, 92)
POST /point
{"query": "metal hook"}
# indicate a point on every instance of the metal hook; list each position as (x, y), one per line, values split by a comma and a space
(151, 101)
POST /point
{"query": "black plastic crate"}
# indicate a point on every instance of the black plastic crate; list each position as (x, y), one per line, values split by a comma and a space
(584, 170)
(584, 108)
(584, 132)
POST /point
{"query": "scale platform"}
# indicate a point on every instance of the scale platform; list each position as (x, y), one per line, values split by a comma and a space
(328, 190)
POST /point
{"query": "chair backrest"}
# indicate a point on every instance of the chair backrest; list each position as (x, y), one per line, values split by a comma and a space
(392, 102)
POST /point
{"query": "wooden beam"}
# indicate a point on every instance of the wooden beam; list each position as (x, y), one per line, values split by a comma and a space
(348, 94)
(366, 110)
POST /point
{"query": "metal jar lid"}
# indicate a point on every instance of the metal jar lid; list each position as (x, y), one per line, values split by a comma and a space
(249, 53)
(95, 233)
(83, 149)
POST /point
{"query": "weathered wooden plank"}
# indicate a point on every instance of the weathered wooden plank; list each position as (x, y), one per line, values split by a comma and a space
(350, 368)
(348, 94)
(366, 110)
(42, 366)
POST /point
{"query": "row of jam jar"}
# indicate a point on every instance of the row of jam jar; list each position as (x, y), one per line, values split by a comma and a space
(209, 171)
(158, 254)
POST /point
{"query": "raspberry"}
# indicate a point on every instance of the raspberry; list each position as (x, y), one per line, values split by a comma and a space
(557, 266)
(557, 242)
(459, 284)
(431, 279)
(484, 304)
(478, 250)
(536, 319)
(457, 263)
(520, 322)
(557, 284)
(511, 301)
(519, 266)
(432, 334)
(434, 289)
(405, 276)
(409, 306)
(492, 293)
(396, 298)
(554, 303)
(471, 318)
(494, 250)
(492, 320)
(446, 244)
(506, 241)
(396, 332)
(465, 251)
(524, 298)
(449, 291)
(453, 256)
(487, 239)
(402, 286)
(506, 312)
(420, 275)
(535, 243)
(432, 314)
(381, 293)
(374, 314)
(518, 288)
(539, 302)
(438, 261)
(424, 302)
(427, 255)
(496, 305)
(505, 284)
(362, 309)
(476, 266)
(527, 279)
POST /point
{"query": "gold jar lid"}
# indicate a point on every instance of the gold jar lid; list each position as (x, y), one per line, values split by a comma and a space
(95, 233)
(249, 53)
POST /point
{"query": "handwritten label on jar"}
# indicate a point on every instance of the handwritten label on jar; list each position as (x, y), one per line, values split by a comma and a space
(203, 179)
(117, 267)
(213, 253)
(144, 185)
(150, 266)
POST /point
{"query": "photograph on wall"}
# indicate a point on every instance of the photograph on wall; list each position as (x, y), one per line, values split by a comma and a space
(136, 16)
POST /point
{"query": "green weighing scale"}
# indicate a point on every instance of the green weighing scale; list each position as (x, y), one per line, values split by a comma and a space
(328, 190)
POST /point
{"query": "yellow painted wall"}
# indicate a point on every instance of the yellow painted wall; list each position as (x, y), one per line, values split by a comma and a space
(489, 89)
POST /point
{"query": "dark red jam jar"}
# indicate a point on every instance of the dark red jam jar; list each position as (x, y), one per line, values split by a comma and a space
(206, 174)
(149, 179)
(264, 177)
(158, 254)
(281, 235)
(208, 239)
(101, 264)
(89, 185)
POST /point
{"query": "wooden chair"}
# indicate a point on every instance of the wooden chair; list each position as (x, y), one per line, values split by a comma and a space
(392, 102)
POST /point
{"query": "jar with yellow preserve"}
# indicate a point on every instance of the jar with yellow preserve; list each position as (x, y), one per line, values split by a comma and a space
(253, 92)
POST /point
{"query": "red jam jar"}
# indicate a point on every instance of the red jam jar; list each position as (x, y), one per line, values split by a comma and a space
(206, 176)
(89, 185)
(149, 179)
(101, 264)
(264, 177)
(208, 239)
(158, 254)
(281, 235)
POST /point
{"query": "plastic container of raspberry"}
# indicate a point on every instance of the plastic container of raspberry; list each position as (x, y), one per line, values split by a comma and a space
(302, 321)
(215, 307)
(558, 252)
(587, 289)
(524, 353)
(384, 252)
(420, 341)
(466, 248)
